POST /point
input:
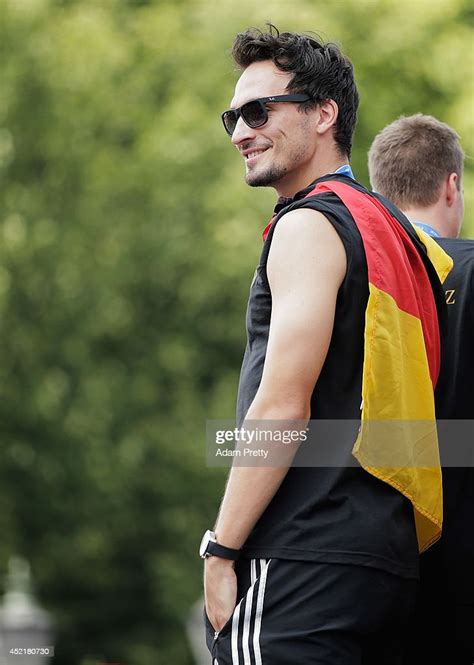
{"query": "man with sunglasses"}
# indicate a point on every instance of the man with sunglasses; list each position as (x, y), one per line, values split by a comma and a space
(316, 562)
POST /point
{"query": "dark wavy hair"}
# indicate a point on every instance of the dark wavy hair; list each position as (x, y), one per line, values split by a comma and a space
(319, 70)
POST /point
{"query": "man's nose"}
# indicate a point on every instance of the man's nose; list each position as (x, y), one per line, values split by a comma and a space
(242, 132)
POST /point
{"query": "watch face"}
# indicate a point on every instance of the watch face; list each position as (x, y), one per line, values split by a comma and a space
(209, 535)
(204, 541)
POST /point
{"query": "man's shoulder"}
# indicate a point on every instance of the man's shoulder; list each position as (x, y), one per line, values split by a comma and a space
(458, 244)
(461, 250)
(461, 277)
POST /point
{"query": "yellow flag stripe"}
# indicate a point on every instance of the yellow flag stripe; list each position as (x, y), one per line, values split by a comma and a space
(442, 262)
(398, 441)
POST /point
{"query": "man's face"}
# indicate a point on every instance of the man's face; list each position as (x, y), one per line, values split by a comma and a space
(279, 152)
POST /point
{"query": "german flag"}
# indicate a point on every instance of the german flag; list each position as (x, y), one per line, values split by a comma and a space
(397, 441)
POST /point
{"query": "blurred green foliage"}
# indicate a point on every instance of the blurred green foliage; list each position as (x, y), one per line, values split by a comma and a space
(127, 243)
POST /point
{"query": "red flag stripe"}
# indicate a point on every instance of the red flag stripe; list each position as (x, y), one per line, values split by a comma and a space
(385, 258)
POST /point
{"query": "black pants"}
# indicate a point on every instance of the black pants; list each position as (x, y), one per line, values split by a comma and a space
(304, 613)
(443, 626)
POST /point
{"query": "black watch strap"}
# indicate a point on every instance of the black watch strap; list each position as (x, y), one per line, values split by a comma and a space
(220, 550)
(210, 547)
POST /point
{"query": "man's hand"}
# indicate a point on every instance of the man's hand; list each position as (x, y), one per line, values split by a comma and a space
(220, 590)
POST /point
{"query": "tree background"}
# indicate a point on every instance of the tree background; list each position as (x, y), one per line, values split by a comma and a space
(128, 239)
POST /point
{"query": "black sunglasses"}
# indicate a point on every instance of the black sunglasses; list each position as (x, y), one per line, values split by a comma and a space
(255, 113)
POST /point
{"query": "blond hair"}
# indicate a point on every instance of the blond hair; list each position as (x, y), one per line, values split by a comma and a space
(409, 159)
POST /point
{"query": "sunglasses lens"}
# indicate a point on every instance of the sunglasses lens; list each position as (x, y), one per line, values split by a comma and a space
(254, 114)
(230, 120)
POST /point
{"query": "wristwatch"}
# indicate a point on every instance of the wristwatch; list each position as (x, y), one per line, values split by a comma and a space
(210, 547)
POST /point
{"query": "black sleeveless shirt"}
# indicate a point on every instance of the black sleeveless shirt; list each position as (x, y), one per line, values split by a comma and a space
(328, 514)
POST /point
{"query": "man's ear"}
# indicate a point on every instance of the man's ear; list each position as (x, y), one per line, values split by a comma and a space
(328, 112)
(452, 188)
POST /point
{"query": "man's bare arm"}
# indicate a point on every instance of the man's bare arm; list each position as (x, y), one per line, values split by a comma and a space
(305, 268)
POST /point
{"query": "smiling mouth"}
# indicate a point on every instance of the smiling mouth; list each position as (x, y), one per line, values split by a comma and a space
(255, 153)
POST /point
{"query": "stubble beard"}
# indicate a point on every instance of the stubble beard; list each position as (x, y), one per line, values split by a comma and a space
(274, 173)
(266, 178)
